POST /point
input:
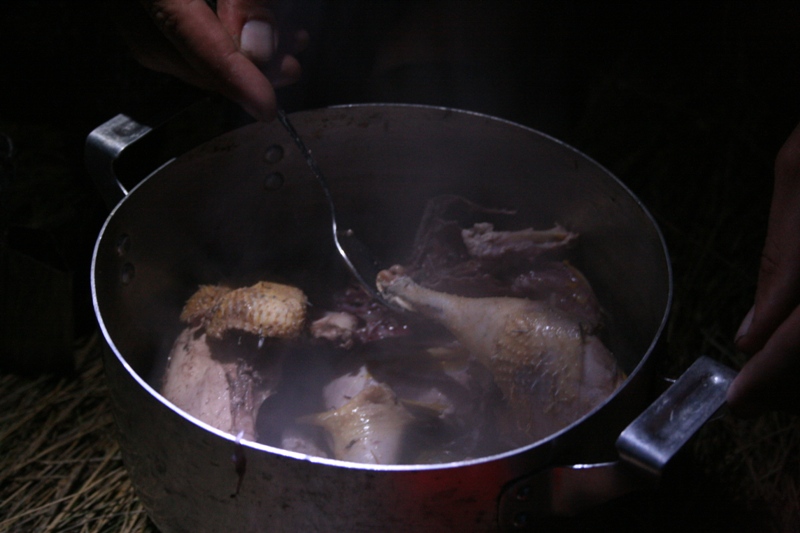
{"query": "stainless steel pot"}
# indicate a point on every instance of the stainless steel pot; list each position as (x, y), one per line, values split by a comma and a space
(245, 203)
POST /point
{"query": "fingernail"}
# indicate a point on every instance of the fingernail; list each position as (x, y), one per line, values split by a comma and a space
(745, 325)
(258, 40)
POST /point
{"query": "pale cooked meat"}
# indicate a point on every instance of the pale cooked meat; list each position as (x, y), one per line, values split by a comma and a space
(344, 388)
(335, 326)
(224, 381)
(368, 428)
(265, 309)
(218, 382)
(550, 369)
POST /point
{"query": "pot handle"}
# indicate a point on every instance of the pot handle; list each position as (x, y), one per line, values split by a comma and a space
(123, 151)
(644, 447)
(104, 145)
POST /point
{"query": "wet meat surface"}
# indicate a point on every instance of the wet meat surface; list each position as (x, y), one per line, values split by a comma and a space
(550, 369)
(368, 427)
(221, 382)
(265, 309)
(501, 346)
(218, 369)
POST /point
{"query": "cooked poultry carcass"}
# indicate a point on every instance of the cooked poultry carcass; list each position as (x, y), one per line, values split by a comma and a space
(222, 383)
(223, 380)
(562, 286)
(265, 309)
(367, 428)
(312, 434)
(342, 389)
(550, 369)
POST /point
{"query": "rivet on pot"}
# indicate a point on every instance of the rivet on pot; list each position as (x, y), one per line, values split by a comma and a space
(273, 154)
(273, 181)
(524, 493)
(123, 244)
(127, 273)
(520, 520)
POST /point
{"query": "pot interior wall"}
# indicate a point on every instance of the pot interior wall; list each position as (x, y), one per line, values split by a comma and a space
(215, 214)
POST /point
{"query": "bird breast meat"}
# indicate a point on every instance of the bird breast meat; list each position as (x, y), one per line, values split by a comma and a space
(550, 369)
(223, 379)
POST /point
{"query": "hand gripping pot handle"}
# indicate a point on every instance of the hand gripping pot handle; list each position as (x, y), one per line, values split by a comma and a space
(645, 447)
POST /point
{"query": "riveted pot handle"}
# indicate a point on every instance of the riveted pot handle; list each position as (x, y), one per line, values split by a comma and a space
(126, 149)
(645, 447)
(104, 145)
(651, 440)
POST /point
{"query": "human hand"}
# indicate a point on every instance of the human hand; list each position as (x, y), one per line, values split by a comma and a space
(234, 51)
(770, 332)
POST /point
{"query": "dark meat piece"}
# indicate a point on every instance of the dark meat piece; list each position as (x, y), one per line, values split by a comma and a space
(455, 253)
(374, 321)
(483, 242)
(565, 288)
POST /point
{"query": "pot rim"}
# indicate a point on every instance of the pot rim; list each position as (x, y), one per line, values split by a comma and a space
(397, 467)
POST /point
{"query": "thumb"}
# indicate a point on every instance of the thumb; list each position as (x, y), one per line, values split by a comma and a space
(778, 288)
(255, 28)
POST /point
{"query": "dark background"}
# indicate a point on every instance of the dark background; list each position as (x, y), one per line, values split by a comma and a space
(687, 102)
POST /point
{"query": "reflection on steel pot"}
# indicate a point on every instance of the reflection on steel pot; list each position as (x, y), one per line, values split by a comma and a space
(245, 203)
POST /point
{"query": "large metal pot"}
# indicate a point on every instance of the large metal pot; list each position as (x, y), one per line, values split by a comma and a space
(245, 203)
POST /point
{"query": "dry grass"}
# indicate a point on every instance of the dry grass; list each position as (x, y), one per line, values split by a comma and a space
(60, 466)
